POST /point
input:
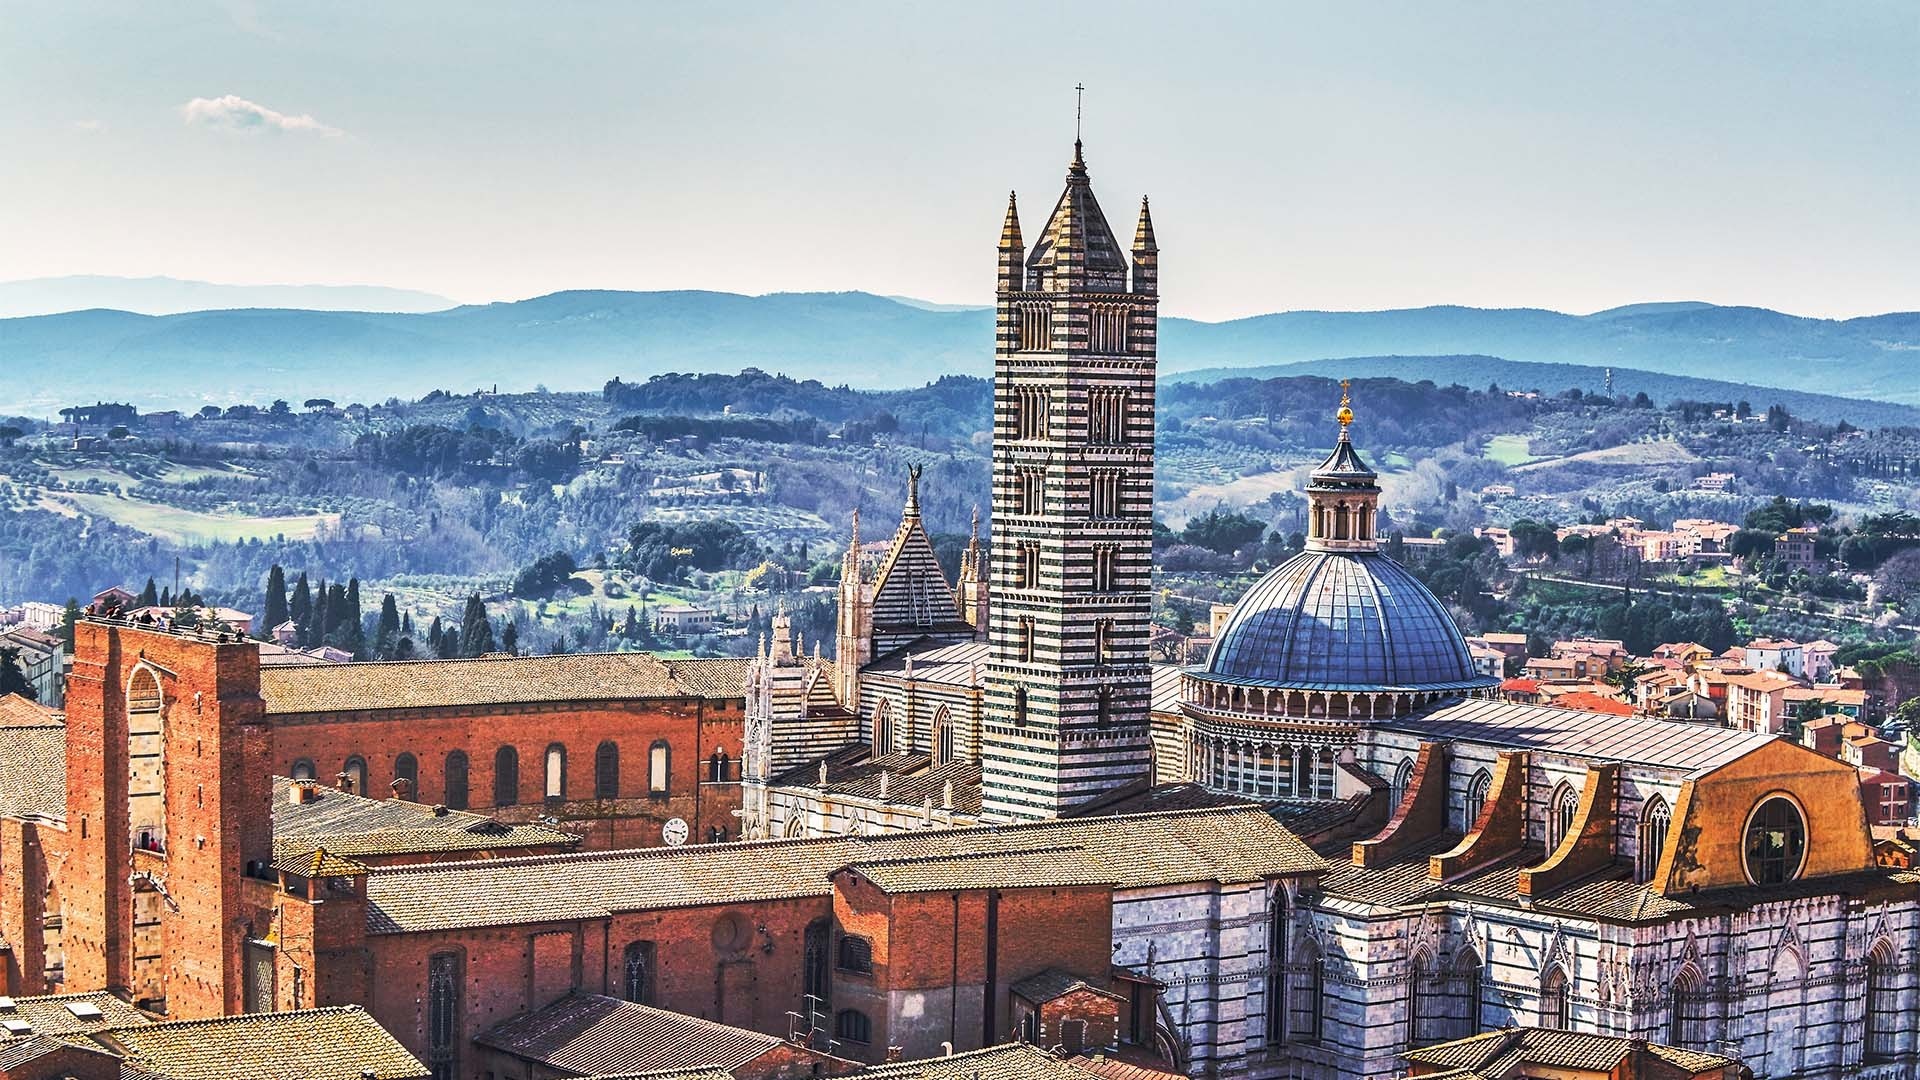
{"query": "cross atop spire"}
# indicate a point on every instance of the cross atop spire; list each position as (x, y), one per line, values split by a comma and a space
(1345, 415)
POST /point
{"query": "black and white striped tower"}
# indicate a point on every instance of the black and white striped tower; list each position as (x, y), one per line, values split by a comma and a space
(1068, 686)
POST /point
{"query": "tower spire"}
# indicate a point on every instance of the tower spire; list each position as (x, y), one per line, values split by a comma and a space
(912, 509)
(1345, 415)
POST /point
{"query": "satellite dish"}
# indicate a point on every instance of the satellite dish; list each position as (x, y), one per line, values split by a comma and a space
(674, 832)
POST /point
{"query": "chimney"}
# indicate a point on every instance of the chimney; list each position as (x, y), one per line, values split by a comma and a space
(301, 792)
(400, 787)
(345, 781)
(894, 1053)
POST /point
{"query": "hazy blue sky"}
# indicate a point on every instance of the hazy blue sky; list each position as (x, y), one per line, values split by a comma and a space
(1565, 155)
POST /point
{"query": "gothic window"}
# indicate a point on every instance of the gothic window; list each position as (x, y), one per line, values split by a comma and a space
(356, 774)
(406, 776)
(856, 954)
(1103, 641)
(455, 780)
(1030, 413)
(506, 776)
(1691, 1016)
(942, 736)
(1560, 813)
(852, 1025)
(1106, 416)
(1654, 819)
(1033, 491)
(717, 763)
(1104, 556)
(637, 986)
(1020, 706)
(556, 786)
(1883, 1012)
(1466, 982)
(816, 970)
(659, 757)
(1276, 1017)
(443, 1015)
(1035, 326)
(1477, 791)
(1103, 493)
(1426, 1003)
(1104, 714)
(606, 770)
(1402, 781)
(1107, 329)
(1553, 1000)
(1029, 577)
(1776, 842)
(883, 728)
(1303, 1008)
(303, 769)
(1026, 639)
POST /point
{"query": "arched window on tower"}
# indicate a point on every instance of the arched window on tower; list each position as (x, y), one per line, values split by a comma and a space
(942, 736)
(506, 776)
(303, 769)
(717, 765)
(1019, 706)
(1026, 639)
(883, 728)
(1103, 716)
(1654, 820)
(1465, 1008)
(1883, 1008)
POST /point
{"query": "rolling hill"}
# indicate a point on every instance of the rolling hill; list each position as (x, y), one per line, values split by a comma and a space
(170, 296)
(577, 340)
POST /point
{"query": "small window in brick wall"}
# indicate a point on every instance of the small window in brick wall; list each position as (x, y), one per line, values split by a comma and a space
(852, 1025)
(856, 954)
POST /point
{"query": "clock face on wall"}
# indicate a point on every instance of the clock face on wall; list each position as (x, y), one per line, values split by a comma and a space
(674, 832)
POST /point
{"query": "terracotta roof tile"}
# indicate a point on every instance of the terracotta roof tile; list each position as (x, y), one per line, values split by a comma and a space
(341, 1043)
(353, 826)
(1012, 1061)
(489, 680)
(588, 1033)
(33, 771)
(73, 1014)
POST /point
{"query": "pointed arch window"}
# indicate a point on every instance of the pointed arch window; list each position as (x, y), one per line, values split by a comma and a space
(1554, 1000)
(717, 765)
(637, 984)
(443, 1015)
(942, 736)
(883, 728)
(1691, 1017)
(506, 776)
(1560, 814)
(817, 968)
(606, 770)
(1402, 782)
(455, 780)
(1883, 1011)
(1103, 715)
(1655, 818)
(1304, 1001)
(1477, 791)
(1466, 983)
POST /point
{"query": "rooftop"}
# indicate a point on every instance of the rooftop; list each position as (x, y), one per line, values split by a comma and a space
(355, 827)
(342, 1043)
(585, 1034)
(1228, 845)
(1498, 1054)
(1692, 749)
(74, 1014)
(493, 680)
(1010, 1061)
(33, 765)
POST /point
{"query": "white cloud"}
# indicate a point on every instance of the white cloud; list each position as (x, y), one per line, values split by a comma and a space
(88, 125)
(235, 113)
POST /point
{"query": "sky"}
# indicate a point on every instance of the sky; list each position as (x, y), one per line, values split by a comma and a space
(1567, 155)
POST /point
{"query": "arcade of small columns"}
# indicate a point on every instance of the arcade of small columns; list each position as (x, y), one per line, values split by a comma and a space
(1278, 703)
(1248, 765)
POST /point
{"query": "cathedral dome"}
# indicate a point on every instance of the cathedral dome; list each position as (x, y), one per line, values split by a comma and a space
(1342, 621)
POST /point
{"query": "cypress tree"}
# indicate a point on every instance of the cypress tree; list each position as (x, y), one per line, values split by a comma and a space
(12, 679)
(149, 596)
(510, 638)
(68, 620)
(353, 627)
(276, 612)
(387, 631)
(450, 644)
(476, 633)
(300, 610)
(322, 614)
(433, 635)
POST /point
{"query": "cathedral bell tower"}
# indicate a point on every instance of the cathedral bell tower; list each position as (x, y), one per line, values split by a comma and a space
(1068, 686)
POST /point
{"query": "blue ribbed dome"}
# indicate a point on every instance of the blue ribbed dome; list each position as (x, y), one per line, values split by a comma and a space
(1332, 620)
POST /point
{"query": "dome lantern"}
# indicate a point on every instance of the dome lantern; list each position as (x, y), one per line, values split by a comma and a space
(1343, 496)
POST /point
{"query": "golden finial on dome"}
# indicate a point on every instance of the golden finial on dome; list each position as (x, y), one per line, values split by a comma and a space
(1345, 415)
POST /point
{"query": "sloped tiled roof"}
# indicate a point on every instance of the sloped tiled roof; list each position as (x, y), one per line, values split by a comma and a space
(17, 711)
(1039, 868)
(713, 677)
(956, 664)
(911, 779)
(353, 826)
(17, 1052)
(588, 1033)
(1691, 749)
(1011, 1061)
(1052, 983)
(1498, 1054)
(342, 1043)
(33, 770)
(53, 1014)
(487, 680)
(1227, 845)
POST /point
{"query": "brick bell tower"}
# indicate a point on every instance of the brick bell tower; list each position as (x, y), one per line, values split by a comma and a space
(1068, 686)
(168, 779)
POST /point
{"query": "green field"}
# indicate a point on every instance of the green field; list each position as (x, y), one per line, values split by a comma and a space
(1510, 450)
(187, 526)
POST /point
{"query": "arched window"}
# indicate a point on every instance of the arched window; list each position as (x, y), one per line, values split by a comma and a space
(1277, 968)
(556, 785)
(852, 1025)
(1691, 1012)
(1104, 716)
(1020, 706)
(638, 982)
(1466, 986)
(717, 765)
(355, 771)
(1425, 1002)
(1776, 842)
(815, 976)
(1553, 1000)
(1402, 782)
(1304, 1002)
(506, 776)
(303, 769)
(1655, 817)
(883, 728)
(1026, 639)
(1477, 790)
(443, 1015)
(406, 776)
(1560, 813)
(606, 770)
(659, 757)
(456, 780)
(856, 954)
(1883, 1012)
(942, 736)
(1324, 774)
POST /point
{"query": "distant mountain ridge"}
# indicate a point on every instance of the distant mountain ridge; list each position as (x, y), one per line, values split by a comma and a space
(172, 296)
(578, 340)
